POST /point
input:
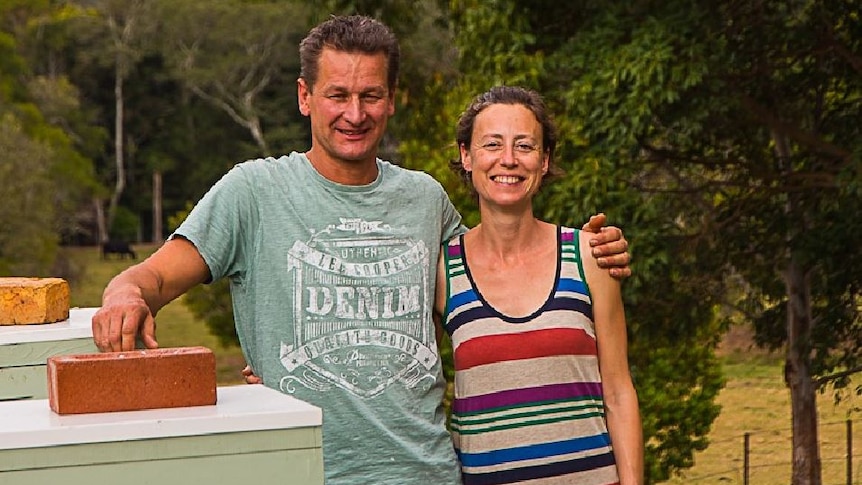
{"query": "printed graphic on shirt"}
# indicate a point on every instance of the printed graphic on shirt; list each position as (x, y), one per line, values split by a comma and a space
(360, 309)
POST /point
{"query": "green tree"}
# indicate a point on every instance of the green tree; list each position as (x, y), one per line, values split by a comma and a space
(242, 58)
(117, 34)
(672, 316)
(45, 172)
(741, 119)
(27, 241)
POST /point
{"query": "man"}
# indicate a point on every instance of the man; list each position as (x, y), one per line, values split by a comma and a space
(331, 256)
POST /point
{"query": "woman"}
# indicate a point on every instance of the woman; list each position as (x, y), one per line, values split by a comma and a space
(542, 386)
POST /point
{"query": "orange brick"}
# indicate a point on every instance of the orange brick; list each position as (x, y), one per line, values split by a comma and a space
(33, 300)
(129, 381)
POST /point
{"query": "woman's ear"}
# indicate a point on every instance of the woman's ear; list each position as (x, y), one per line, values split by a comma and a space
(466, 161)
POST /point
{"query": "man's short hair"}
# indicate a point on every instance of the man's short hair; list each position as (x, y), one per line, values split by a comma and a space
(355, 33)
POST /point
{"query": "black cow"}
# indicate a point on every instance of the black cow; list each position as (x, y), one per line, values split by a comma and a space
(120, 248)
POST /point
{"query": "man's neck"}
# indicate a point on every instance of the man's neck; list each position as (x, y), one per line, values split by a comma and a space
(343, 172)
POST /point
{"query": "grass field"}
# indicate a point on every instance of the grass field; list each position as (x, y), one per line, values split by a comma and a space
(754, 401)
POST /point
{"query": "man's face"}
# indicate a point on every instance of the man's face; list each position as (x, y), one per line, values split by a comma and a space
(348, 105)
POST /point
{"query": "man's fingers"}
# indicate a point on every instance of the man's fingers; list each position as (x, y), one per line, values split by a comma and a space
(612, 248)
(606, 235)
(117, 330)
(595, 224)
(100, 333)
(620, 273)
(127, 337)
(148, 333)
(614, 261)
(249, 376)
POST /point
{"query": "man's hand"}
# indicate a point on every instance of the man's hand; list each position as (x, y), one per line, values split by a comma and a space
(134, 297)
(610, 248)
(118, 324)
(249, 376)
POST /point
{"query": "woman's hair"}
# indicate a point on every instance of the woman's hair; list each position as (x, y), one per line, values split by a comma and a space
(506, 95)
(355, 33)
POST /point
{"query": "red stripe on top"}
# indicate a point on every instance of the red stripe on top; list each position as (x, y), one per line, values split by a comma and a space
(528, 345)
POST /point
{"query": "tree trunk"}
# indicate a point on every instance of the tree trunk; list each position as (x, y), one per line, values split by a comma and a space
(158, 232)
(797, 371)
(803, 390)
(257, 134)
(120, 183)
(101, 227)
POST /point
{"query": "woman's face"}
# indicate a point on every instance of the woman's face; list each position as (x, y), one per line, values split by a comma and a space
(506, 158)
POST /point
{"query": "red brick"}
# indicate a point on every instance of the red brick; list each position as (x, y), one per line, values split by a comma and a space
(129, 381)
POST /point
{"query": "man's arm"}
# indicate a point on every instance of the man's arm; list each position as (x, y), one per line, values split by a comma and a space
(133, 297)
(609, 247)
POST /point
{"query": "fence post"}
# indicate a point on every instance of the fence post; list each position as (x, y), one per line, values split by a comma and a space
(849, 452)
(745, 465)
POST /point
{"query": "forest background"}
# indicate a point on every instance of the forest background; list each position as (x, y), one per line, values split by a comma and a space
(722, 136)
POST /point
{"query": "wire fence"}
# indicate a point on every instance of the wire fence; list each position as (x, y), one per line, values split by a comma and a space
(765, 457)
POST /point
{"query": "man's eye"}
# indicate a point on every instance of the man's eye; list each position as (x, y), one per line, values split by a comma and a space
(337, 97)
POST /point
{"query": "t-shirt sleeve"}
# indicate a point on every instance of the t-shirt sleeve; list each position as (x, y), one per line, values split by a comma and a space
(452, 224)
(221, 223)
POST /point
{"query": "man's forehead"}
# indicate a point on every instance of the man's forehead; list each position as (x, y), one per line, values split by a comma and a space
(352, 71)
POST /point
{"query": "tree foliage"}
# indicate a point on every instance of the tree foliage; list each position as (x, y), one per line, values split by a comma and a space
(45, 171)
(242, 58)
(722, 136)
(725, 137)
(671, 305)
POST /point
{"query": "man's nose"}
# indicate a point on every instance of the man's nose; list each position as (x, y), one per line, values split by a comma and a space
(354, 112)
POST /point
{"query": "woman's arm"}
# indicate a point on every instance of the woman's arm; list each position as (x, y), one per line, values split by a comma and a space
(621, 401)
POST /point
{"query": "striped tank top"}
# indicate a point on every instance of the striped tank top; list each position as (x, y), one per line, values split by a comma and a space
(528, 395)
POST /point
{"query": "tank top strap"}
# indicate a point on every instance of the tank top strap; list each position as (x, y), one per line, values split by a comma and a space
(458, 286)
(571, 261)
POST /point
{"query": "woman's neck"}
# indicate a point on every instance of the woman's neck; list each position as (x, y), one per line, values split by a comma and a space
(508, 237)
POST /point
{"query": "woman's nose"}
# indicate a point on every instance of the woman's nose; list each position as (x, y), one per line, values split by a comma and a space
(507, 156)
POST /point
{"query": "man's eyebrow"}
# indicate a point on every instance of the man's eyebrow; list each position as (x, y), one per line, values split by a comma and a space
(521, 136)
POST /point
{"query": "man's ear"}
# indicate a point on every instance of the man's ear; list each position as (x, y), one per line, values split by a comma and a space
(302, 95)
(392, 101)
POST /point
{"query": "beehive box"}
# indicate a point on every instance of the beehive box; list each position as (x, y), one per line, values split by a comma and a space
(24, 351)
(252, 435)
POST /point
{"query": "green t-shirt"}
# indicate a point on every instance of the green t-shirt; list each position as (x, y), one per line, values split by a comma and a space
(332, 288)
